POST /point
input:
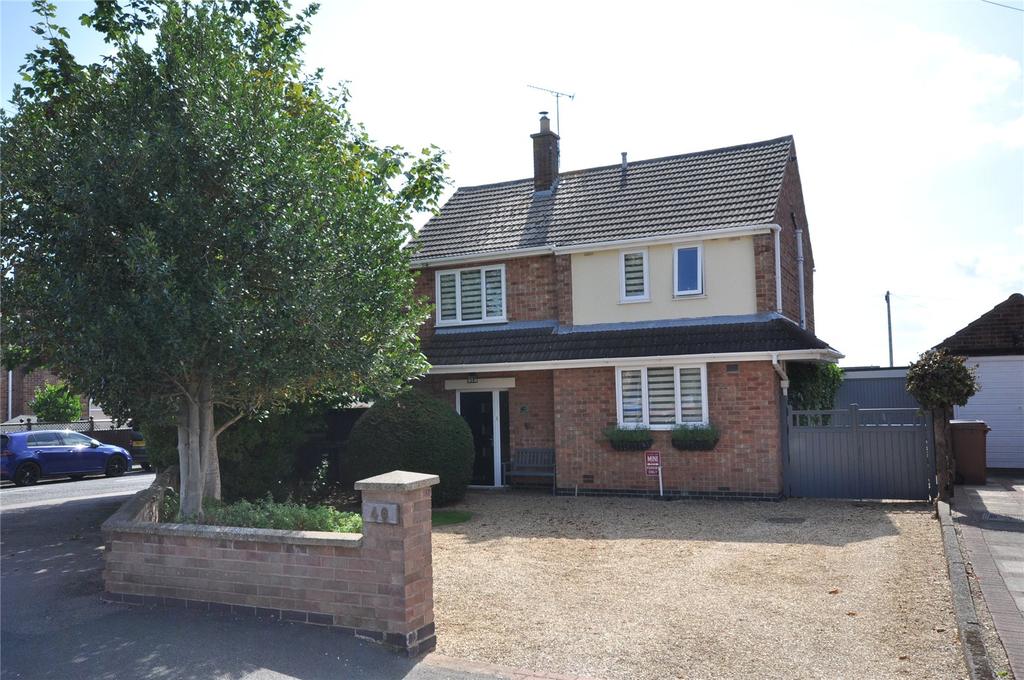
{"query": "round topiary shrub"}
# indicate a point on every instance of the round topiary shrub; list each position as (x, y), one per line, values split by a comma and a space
(417, 432)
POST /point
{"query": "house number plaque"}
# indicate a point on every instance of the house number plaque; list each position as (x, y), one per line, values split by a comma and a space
(380, 513)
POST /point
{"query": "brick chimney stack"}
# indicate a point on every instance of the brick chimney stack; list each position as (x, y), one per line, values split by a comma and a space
(545, 155)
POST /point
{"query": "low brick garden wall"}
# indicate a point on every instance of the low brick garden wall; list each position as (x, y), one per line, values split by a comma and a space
(377, 585)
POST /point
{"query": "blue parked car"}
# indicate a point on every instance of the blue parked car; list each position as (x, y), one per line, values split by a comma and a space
(27, 457)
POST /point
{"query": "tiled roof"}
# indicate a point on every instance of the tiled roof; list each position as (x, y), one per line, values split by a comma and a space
(549, 343)
(999, 331)
(730, 187)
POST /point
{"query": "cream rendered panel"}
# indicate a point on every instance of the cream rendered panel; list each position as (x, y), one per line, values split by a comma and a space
(728, 284)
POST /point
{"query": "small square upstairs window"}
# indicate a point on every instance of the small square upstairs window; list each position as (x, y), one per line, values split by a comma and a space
(468, 296)
(633, 278)
(689, 270)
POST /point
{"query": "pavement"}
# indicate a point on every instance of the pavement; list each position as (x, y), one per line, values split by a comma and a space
(53, 623)
(991, 522)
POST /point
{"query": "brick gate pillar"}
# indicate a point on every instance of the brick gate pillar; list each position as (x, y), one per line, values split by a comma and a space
(396, 536)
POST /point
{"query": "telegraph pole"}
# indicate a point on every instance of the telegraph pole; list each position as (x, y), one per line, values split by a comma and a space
(888, 314)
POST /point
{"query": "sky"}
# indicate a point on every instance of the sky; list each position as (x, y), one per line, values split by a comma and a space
(908, 118)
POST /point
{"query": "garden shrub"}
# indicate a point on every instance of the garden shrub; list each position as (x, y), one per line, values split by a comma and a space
(698, 438)
(813, 386)
(55, 403)
(265, 514)
(629, 438)
(417, 432)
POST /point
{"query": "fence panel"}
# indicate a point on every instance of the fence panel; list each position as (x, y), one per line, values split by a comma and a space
(860, 453)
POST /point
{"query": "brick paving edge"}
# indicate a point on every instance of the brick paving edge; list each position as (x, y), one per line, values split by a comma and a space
(971, 642)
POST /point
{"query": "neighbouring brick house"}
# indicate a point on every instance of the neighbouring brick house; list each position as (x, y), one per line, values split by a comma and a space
(656, 292)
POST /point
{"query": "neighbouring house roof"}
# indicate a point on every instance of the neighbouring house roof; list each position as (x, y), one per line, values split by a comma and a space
(538, 342)
(999, 331)
(716, 189)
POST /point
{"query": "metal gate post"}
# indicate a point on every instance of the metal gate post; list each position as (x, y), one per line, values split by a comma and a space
(858, 456)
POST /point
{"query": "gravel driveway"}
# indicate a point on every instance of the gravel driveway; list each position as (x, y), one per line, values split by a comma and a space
(633, 588)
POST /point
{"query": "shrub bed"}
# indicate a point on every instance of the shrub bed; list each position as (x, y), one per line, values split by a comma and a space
(265, 514)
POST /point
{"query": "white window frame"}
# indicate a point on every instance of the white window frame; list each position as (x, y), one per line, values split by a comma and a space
(646, 297)
(699, 247)
(646, 405)
(457, 321)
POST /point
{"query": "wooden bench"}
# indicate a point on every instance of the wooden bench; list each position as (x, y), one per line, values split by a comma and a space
(531, 463)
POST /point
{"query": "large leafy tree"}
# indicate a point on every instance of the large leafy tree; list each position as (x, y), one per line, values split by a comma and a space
(197, 231)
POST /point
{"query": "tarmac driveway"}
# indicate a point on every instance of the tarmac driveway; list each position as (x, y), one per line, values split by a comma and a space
(634, 588)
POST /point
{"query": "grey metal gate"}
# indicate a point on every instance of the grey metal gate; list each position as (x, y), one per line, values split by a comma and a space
(860, 453)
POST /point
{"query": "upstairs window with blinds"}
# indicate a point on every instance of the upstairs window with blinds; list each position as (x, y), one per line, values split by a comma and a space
(467, 296)
(661, 397)
(633, 277)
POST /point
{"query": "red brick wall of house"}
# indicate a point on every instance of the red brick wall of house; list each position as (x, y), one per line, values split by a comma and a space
(745, 407)
(790, 201)
(532, 428)
(532, 288)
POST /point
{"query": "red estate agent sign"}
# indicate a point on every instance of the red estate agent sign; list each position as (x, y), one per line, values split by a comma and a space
(652, 461)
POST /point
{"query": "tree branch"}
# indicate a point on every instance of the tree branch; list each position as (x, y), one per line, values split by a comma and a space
(228, 424)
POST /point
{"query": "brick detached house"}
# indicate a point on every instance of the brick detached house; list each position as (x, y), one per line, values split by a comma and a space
(647, 293)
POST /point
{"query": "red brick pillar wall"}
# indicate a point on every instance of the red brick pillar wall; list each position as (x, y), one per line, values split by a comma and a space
(403, 549)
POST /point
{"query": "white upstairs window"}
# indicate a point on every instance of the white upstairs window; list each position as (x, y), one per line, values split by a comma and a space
(689, 270)
(661, 397)
(634, 284)
(470, 296)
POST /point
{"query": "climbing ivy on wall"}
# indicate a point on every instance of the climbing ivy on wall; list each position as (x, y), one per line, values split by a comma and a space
(813, 386)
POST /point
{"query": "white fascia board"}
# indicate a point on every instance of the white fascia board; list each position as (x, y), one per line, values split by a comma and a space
(682, 237)
(826, 355)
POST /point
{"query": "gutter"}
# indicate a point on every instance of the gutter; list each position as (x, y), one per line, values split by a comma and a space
(682, 237)
(829, 355)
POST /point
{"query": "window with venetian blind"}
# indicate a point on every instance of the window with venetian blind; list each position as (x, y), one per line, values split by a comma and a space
(661, 397)
(633, 278)
(468, 296)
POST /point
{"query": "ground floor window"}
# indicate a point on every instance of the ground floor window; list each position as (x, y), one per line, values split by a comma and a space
(661, 397)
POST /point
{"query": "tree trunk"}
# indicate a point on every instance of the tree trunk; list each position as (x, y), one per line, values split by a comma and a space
(944, 464)
(212, 484)
(191, 459)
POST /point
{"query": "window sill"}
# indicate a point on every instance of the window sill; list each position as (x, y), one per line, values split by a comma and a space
(659, 428)
(630, 301)
(479, 322)
(689, 296)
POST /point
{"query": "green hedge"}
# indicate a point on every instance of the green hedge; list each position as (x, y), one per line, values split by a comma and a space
(257, 457)
(416, 432)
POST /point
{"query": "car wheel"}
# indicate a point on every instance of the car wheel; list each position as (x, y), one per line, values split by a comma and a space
(27, 474)
(116, 466)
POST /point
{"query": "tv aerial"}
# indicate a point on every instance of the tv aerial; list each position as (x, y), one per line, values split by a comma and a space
(558, 95)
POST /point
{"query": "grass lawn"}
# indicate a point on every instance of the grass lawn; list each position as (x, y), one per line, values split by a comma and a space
(446, 517)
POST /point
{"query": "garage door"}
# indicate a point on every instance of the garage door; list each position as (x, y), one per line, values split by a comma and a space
(1000, 403)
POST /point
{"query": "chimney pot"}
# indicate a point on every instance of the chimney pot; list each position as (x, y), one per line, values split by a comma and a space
(623, 161)
(545, 156)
